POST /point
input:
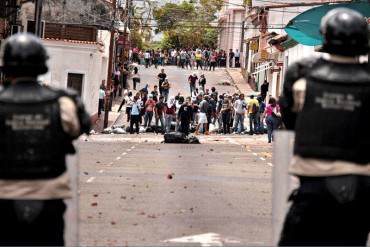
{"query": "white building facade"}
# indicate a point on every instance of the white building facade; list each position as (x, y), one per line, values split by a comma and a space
(79, 65)
(230, 22)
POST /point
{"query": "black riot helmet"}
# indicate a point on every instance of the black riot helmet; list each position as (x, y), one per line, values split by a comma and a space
(345, 33)
(23, 54)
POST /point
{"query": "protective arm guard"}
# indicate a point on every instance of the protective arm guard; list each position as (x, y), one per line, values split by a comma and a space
(295, 72)
(83, 116)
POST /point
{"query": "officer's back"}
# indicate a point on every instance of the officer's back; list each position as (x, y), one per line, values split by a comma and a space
(326, 101)
(37, 127)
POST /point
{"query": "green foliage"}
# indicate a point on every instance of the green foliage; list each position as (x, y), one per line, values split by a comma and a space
(136, 39)
(187, 25)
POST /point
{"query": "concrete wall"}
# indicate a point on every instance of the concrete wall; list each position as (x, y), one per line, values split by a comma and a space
(87, 59)
(230, 36)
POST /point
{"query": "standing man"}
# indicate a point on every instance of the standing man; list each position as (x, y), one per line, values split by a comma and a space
(135, 115)
(159, 109)
(192, 82)
(161, 77)
(231, 57)
(185, 115)
(253, 107)
(237, 58)
(202, 120)
(149, 111)
(198, 59)
(147, 57)
(264, 89)
(239, 109)
(202, 82)
(326, 101)
(37, 127)
(101, 100)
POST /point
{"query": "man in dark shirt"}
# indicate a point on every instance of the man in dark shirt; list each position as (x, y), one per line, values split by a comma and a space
(161, 77)
(159, 109)
(231, 57)
(264, 89)
(185, 116)
(192, 80)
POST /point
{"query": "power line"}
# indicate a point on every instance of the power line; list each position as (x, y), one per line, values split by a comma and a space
(221, 27)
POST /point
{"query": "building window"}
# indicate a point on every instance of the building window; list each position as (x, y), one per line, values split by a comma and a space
(75, 81)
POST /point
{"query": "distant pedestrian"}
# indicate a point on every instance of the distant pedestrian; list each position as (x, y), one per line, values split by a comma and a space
(240, 109)
(253, 107)
(147, 57)
(202, 116)
(129, 100)
(166, 89)
(101, 100)
(226, 109)
(161, 77)
(135, 77)
(185, 116)
(170, 113)
(237, 58)
(135, 115)
(264, 89)
(192, 82)
(231, 58)
(155, 93)
(213, 61)
(261, 110)
(159, 109)
(273, 118)
(149, 111)
(202, 82)
(198, 59)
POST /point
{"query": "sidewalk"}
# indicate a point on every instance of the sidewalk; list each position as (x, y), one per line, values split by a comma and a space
(113, 116)
(239, 81)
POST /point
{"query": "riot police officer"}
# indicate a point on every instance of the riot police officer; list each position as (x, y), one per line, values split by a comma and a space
(37, 127)
(326, 101)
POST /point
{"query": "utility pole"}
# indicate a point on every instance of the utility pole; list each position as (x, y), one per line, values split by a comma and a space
(38, 16)
(125, 31)
(110, 67)
(242, 45)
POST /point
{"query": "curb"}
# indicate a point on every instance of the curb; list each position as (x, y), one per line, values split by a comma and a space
(233, 81)
(252, 91)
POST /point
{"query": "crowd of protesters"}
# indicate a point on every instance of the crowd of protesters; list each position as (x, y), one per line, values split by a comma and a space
(154, 109)
(205, 59)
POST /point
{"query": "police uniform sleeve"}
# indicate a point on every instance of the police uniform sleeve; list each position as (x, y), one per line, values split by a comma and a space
(68, 114)
(83, 118)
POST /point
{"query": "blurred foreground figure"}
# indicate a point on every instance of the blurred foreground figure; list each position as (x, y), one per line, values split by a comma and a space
(37, 127)
(327, 102)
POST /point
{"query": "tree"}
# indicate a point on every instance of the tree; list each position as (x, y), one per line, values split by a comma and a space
(187, 24)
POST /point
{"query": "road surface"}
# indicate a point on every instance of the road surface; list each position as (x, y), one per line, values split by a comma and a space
(135, 190)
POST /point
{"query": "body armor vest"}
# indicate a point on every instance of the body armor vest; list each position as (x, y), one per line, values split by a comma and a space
(334, 121)
(32, 139)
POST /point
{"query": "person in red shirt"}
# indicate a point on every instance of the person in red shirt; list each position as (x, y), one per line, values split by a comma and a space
(149, 109)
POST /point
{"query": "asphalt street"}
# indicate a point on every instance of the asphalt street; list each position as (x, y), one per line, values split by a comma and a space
(135, 190)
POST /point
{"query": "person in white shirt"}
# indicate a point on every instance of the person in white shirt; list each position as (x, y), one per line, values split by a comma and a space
(237, 58)
(147, 59)
(101, 100)
(240, 109)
